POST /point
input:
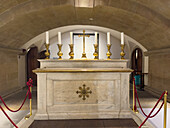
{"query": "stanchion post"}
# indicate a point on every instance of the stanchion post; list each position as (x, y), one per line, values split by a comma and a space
(134, 98)
(165, 108)
(28, 116)
(31, 102)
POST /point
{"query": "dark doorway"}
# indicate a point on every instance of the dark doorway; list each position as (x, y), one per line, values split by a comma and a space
(41, 55)
(136, 62)
(32, 64)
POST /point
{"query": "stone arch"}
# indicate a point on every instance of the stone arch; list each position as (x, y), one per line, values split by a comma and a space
(21, 21)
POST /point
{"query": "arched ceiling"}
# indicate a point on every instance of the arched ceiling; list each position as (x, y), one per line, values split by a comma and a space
(146, 21)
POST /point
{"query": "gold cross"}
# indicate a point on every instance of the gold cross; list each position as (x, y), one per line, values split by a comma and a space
(84, 35)
(84, 92)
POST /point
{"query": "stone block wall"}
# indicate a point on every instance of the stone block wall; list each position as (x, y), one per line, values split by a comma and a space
(159, 73)
(8, 71)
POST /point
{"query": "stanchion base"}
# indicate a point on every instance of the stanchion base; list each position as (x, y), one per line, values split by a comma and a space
(27, 117)
(136, 111)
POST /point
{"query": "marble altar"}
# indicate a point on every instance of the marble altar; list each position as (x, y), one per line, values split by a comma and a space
(59, 80)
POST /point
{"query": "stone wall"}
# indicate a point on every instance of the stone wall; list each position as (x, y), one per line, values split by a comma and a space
(8, 71)
(159, 73)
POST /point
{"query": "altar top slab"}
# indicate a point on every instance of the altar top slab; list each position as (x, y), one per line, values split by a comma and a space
(83, 63)
(50, 70)
(83, 60)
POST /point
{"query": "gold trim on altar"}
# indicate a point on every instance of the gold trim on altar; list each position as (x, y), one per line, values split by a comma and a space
(82, 70)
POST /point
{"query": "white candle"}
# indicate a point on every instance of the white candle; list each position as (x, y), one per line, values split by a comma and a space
(122, 38)
(95, 37)
(108, 37)
(59, 37)
(47, 37)
(136, 54)
(71, 37)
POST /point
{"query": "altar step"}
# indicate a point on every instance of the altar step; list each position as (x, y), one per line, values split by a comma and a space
(85, 123)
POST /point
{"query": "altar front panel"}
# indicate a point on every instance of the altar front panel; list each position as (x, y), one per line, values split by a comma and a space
(59, 81)
(105, 101)
(64, 92)
(65, 98)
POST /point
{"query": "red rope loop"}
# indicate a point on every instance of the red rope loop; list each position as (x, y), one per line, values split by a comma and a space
(30, 84)
(8, 117)
(158, 110)
(149, 116)
(154, 106)
(19, 107)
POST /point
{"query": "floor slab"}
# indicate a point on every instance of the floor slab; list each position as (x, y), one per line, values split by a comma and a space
(86, 123)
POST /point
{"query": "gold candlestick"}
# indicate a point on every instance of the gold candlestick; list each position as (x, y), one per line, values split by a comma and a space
(60, 53)
(71, 54)
(108, 53)
(95, 54)
(122, 54)
(47, 54)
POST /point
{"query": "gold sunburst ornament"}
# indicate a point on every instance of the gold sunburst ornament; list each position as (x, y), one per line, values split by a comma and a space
(84, 92)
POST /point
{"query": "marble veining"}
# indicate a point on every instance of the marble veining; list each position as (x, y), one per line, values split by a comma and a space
(57, 97)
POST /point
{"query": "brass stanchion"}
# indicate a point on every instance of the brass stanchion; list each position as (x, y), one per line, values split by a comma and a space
(165, 108)
(31, 102)
(133, 96)
(134, 109)
(29, 115)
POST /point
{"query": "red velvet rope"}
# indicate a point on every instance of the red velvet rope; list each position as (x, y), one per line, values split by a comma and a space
(158, 110)
(19, 107)
(151, 111)
(8, 117)
(149, 116)
(29, 84)
(141, 106)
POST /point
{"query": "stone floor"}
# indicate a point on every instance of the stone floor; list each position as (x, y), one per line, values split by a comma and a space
(14, 102)
(147, 100)
(93, 123)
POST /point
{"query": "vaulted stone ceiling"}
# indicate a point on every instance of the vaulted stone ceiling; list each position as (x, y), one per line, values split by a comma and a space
(147, 21)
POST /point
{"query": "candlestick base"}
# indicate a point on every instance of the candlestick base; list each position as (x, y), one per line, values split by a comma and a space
(59, 53)
(47, 54)
(108, 53)
(84, 56)
(71, 54)
(95, 54)
(122, 53)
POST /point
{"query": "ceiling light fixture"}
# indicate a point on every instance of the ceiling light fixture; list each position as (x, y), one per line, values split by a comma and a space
(91, 19)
